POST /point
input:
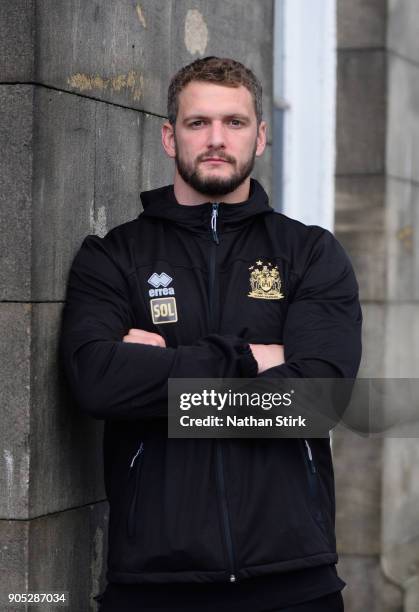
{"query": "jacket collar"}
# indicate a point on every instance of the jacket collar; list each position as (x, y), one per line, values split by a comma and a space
(162, 204)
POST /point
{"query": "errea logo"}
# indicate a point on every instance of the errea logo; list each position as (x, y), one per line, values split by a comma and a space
(161, 283)
(160, 280)
(163, 309)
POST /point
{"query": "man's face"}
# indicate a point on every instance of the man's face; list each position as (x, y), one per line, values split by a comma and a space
(216, 137)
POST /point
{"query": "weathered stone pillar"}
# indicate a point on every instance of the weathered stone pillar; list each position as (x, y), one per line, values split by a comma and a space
(82, 93)
(400, 531)
(377, 221)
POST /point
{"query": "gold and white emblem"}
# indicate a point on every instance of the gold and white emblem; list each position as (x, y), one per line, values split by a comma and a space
(163, 310)
(265, 282)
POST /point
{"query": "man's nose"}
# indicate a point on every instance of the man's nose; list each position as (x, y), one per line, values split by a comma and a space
(216, 136)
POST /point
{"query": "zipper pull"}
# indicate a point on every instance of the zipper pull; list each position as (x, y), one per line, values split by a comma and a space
(310, 457)
(139, 451)
(214, 217)
(232, 578)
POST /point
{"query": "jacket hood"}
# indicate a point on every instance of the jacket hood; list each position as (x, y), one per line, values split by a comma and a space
(162, 204)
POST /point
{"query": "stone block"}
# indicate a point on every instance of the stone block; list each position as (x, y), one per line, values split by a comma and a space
(367, 251)
(63, 187)
(91, 162)
(367, 588)
(360, 226)
(51, 454)
(402, 250)
(108, 51)
(402, 159)
(361, 112)
(373, 361)
(66, 445)
(240, 29)
(400, 524)
(13, 556)
(360, 203)
(67, 551)
(116, 51)
(361, 23)
(16, 41)
(411, 601)
(376, 221)
(59, 552)
(357, 465)
(129, 159)
(402, 28)
(15, 190)
(401, 334)
(15, 330)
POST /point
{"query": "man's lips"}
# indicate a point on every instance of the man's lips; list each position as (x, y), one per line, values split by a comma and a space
(215, 160)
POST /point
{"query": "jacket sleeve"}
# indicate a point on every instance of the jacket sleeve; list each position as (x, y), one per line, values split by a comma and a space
(322, 332)
(110, 378)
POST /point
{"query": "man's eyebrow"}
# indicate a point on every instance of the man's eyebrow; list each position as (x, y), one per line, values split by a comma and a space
(238, 116)
(194, 117)
(228, 116)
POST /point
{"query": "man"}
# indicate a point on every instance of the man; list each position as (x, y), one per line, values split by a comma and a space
(205, 524)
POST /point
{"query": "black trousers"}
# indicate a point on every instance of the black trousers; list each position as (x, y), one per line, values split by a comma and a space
(328, 603)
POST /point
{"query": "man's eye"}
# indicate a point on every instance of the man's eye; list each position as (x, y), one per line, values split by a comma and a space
(197, 123)
(236, 122)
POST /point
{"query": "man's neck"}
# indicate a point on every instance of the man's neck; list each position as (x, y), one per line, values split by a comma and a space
(188, 196)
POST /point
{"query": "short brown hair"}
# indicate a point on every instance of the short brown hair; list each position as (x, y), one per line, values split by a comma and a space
(211, 69)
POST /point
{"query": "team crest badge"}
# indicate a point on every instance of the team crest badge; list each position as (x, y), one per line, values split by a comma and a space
(265, 281)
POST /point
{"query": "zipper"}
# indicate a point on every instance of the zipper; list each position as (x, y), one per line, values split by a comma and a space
(310, 457)
(313, 482)
(219, 451)
(212, 261)
(139, 451)
(134, 473)
(214, 217)
(224, 508)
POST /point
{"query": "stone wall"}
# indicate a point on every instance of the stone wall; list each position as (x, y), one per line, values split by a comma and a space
(377, 220)
(82, 92)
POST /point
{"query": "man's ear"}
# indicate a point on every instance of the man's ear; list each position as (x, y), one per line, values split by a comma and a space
(168, 138)
(261, 138)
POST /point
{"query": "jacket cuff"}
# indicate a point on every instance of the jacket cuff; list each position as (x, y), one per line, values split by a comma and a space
(247, 363)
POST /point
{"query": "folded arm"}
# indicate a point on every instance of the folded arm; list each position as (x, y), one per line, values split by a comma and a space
(322, 331)
(110, 378)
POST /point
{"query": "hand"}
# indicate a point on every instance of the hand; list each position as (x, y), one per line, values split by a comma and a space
(268, 355)
(140, 336)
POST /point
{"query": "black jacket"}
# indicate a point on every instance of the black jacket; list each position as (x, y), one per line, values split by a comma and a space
(203, 510)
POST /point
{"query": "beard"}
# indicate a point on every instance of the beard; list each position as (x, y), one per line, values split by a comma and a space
(214, 185)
